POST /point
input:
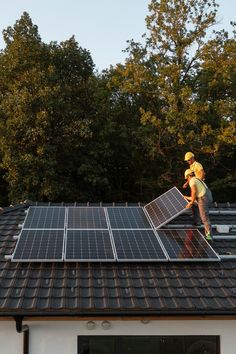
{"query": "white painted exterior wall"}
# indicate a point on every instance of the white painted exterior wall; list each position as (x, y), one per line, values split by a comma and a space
(60, 337)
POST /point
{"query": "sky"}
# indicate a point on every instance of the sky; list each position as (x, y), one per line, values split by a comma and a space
(100, 26)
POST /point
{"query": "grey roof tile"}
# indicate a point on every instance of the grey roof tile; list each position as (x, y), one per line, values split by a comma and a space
(98, 303)
(135, 303)
(113, 303)
(155, 303)
(28, 302)
(4, 292)
(41, 303)
(112, 292)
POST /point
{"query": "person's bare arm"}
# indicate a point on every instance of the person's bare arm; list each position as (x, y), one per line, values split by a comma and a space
(185, 185)
(201, 174)
(193, 196)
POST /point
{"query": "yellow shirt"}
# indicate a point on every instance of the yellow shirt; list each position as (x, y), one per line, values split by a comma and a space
(196, 167)
(200, 188)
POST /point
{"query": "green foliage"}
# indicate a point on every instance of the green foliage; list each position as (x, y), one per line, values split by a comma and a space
(68, 133)
(186, 100)
(45, 112)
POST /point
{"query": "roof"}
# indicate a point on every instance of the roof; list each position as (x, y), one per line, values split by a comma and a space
(77, 289)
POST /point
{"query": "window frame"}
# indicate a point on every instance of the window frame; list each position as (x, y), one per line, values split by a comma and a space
(116, 339)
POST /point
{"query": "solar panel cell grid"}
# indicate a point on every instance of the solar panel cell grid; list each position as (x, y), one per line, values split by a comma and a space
(40, 245)
(45, 218)
(87, 218)
(186, 245)
(166, 207)
(84, 245)
(136, 245)
(128, 218)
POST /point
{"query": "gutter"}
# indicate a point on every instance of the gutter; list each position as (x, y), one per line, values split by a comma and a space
(125, 313)
(25, 330)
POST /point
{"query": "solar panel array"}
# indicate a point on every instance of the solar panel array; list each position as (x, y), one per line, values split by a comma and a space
(98, 234)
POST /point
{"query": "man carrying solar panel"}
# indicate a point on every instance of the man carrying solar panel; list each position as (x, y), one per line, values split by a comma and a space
(197, 168)
(199, 196)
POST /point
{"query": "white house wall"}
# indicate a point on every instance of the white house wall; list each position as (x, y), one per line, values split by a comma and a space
(10, 341)
(60, 337)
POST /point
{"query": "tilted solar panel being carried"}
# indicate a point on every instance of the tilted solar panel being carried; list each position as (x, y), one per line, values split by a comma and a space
(186, 245)
(166, 207)
(88, 245)
(137, 245)
(45, 218)
(39, 246)
(86, 218)
(128, 218)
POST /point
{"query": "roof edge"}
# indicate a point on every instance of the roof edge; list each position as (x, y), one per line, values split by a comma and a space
(118, 314)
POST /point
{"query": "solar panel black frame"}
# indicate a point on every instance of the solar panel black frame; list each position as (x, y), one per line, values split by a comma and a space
(51, 217)
(171, 245)
(28, 244)
(146, 246)
(80, 217)
(128, 218)
(74, 235)
(158, 203)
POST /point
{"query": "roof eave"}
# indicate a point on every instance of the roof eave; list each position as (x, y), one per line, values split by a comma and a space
(103, 313)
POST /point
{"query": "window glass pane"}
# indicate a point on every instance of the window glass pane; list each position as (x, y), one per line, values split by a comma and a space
(149, 345)
(139, 345)
(172, 345)
(201, 344)
(97, 345)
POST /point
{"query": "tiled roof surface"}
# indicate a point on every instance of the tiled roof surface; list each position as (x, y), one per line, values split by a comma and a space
(116, 288)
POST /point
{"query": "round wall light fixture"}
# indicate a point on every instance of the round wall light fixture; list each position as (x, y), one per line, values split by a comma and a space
(91, 325)
(106, 325)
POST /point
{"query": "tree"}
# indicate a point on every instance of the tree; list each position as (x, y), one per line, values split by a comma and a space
(45, 106)
(167, 72)
(22, 66)
(115, 161)
(217, 87)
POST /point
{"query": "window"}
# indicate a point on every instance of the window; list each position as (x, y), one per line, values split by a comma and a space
(96, 345)
(148, 344)
(138, 345)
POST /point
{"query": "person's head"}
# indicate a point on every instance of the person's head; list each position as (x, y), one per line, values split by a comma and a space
(189, 157)
(188, 174)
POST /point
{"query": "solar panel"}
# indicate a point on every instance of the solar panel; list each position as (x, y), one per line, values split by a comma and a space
(39, 245)
(128, 218)
(137, 245)
(88, 245)
(166, 207)
(186, 245)
(86, 218)
(45, 218)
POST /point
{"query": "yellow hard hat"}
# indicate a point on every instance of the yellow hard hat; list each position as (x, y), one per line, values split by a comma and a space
(187, 173)
(188, 156)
